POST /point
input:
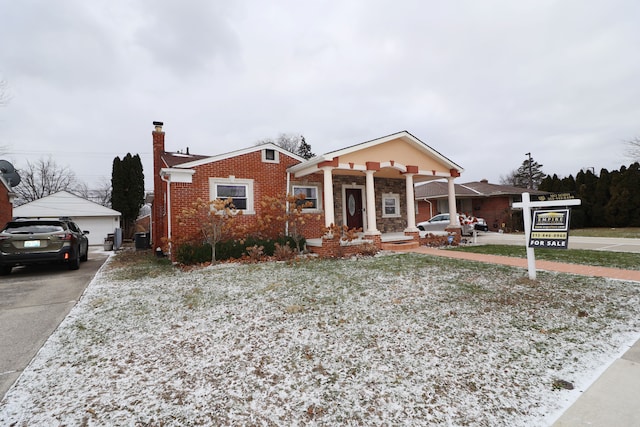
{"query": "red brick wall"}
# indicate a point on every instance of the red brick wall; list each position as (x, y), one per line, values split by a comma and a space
(495, 210)
(333, 248)
(158, 208)
(269, 179)
(424, 211)
(6, 208)
(315, 222)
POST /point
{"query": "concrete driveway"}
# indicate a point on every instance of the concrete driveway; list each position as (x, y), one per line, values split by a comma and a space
(33, 302)
(575, 242)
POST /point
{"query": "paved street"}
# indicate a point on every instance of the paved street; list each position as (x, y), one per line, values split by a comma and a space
(33, 302)
(575, 242)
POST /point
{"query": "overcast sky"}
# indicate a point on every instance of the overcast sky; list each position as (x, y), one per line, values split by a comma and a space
(482, 82)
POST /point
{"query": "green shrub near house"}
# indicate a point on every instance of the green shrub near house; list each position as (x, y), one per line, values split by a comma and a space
(198, 252)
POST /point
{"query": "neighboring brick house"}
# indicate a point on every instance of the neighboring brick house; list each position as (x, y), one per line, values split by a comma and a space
(368, 185)
(6, 201)
(480, 199)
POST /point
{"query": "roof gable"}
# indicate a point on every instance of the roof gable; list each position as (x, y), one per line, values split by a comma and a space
(63, 203)
(231, 154)
(404, 136)
(401, 147)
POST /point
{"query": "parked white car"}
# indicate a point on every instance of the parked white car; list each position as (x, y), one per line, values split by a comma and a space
(441, 221)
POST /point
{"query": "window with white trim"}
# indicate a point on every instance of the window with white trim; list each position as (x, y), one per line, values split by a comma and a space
(390, 205)
(310, 193)
(270, 155)
(239, 190)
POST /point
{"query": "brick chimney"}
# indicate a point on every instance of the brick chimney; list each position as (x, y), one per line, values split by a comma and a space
(158, 208)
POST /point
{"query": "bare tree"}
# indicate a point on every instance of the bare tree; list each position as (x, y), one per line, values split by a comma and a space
(214, 219)
(4, 92)
(42, 178)
(509, 179)
(633, 149)
(291, 142)
(101, 194)
(528, 175)
(287, 141)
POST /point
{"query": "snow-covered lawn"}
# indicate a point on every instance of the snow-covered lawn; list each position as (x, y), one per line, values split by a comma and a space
(402, 339)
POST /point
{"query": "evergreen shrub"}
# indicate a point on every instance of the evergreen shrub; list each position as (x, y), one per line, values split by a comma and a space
(198, 252)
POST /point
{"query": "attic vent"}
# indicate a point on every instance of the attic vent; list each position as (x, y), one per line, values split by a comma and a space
(269, 155)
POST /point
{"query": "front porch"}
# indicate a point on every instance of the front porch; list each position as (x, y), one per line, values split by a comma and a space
(370, 187)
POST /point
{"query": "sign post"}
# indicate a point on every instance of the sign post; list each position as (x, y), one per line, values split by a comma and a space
(548, 228)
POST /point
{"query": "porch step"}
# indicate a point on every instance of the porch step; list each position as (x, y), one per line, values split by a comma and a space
(400, 246)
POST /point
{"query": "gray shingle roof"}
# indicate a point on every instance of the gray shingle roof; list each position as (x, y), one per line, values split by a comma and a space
(439, 189)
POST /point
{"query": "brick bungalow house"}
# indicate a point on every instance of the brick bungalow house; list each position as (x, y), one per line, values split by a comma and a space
(369, 185)
(6, 201)
(480, 199)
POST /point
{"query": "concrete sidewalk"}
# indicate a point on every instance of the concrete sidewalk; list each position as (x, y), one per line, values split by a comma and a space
(608, 244)
(613, 400)
(583, 270)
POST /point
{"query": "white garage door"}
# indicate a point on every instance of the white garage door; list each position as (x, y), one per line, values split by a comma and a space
(98, 227)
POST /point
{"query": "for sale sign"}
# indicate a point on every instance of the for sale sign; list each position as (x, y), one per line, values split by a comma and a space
(550, 229)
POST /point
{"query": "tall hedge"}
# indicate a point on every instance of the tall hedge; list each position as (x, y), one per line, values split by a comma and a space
(611, 199)
(127, 190)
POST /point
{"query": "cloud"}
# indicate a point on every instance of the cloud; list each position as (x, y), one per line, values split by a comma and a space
(482, 82)
(187, 37)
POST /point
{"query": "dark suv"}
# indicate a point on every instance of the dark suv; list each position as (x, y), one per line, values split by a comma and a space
(33, 241)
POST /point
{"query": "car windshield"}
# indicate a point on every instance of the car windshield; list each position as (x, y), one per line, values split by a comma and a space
(32, 228)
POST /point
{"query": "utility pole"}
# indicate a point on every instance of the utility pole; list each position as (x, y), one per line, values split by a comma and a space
(530, 173)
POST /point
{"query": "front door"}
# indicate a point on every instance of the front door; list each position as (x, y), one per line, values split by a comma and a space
(353, 202)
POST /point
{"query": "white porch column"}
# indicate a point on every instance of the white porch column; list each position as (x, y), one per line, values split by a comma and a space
(372, 228)
(411, 204)
(453, 215)
(329, 216)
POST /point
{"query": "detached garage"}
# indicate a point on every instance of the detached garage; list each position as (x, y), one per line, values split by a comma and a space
(97, 219)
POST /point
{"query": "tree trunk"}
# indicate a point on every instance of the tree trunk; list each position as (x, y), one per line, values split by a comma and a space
(213, 252)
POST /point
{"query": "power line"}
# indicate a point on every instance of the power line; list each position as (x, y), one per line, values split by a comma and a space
(82, 153)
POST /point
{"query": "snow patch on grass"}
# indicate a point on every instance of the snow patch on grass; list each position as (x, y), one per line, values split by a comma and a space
(389, 340)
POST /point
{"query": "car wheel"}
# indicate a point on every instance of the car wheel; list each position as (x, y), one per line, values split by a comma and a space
(74, 263)
(85, 257)
(5, 270)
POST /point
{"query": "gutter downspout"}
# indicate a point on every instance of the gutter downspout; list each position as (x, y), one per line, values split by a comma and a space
(286, 224)
(430, 207)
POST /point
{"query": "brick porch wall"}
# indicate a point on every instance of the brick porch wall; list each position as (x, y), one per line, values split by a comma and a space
(439, 240)
(332, 247)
